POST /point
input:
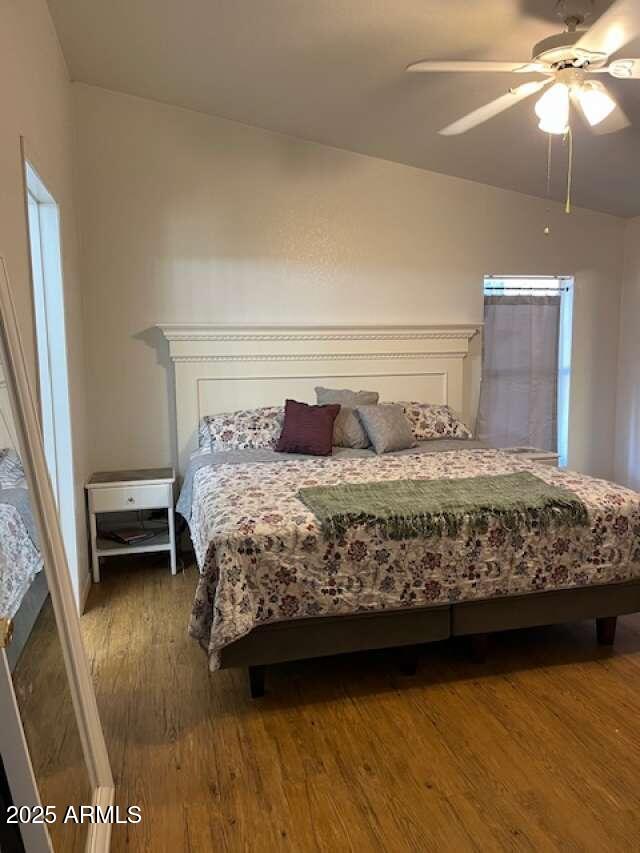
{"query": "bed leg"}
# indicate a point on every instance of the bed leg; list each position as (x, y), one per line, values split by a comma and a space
(479, 647)
(256, 681)
(606, 630)
(408, 659)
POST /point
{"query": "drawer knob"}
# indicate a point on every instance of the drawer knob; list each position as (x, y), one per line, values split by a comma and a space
(131, 500)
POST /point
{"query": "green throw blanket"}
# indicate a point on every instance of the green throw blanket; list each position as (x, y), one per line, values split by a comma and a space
(407, 509)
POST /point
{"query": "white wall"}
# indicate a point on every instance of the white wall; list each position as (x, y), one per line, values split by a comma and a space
(186, 217)
(36, 97)
(627, 467)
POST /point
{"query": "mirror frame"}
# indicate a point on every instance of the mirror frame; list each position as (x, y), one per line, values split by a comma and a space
(45, 513)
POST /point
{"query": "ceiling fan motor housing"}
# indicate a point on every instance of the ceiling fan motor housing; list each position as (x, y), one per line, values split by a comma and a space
(560, 51)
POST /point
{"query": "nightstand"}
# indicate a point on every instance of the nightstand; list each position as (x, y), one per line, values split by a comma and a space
(547, 457)
(129, 492)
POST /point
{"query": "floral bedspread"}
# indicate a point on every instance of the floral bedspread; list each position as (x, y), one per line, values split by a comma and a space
(263, 558)
(20, 560)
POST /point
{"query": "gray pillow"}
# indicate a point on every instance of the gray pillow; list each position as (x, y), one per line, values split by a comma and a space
(347, 429)
(387, 427)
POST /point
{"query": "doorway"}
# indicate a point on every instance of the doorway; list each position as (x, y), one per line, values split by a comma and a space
(48, 297)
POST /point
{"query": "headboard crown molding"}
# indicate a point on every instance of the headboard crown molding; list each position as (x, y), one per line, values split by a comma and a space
(213, 332)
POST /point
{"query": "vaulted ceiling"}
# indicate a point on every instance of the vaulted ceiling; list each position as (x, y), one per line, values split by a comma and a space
(332, 71)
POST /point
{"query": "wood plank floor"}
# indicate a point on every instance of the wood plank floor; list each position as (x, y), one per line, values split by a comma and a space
(538, 749)
(48, 718)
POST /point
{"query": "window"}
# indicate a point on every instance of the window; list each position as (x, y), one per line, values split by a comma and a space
(48, 296)
(526, 375)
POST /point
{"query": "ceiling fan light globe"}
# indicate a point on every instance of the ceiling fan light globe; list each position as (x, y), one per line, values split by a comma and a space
(595, 103)
(553, 109)
(553, 127)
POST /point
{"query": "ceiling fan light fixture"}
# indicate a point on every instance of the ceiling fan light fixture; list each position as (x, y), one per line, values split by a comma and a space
(595, 102)
(553, 109)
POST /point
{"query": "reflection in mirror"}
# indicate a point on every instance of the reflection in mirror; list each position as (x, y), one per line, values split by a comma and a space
(34, 654)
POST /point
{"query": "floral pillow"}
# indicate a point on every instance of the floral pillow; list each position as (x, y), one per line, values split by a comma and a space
(247, 429)
(432, 421)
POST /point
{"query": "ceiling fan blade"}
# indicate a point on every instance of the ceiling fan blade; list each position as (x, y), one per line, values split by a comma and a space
(624, 69)
(494, 108)
(464, 65)
(534, 68)
(613, 29)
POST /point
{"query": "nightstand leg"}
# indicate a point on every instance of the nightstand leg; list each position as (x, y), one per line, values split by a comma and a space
(95, 560)
(172, 540)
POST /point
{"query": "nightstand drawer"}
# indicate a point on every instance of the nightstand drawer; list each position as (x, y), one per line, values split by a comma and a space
(118, 498)
(533, 454)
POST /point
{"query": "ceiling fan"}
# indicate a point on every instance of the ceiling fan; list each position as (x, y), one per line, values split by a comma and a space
(568, 62)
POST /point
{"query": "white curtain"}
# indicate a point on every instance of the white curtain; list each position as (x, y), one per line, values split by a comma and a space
(519, 389)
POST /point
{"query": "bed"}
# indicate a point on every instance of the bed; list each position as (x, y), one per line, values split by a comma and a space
(272, 588)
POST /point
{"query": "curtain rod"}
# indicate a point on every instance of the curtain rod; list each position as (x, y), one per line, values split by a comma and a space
(529, 277)
(528, 289)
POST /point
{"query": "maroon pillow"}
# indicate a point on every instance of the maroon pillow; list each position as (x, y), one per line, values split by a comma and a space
(307, 429)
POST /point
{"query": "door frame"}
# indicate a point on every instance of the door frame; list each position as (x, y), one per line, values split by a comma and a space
(64, 452)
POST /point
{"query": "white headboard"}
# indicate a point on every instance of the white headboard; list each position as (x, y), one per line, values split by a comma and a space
(224, 368)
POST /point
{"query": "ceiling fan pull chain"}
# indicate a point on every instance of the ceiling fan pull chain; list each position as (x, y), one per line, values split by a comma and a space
(547, 228)
(567, 207)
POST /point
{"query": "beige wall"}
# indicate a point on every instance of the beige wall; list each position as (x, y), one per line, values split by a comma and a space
(627, 468)
(35, 94)
(186, 217)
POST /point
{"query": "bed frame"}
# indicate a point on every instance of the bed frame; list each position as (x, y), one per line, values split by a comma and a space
(223, 368)
(408, 629)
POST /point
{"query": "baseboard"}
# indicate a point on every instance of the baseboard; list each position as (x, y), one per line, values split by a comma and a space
(83, 593)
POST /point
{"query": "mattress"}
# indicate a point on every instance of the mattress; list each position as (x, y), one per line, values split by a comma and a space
(263, 558)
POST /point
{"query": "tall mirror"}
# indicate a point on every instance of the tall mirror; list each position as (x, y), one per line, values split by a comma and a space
(43, 658)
